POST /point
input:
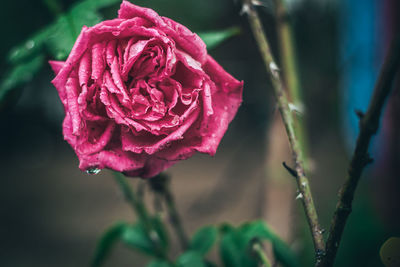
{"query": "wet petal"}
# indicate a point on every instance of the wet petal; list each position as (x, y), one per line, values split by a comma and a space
(184, 38)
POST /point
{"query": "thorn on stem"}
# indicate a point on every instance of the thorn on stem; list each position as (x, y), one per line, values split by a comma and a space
(245, 9)
(257, 3)
(298, 108)
(290, 170)
(368, 160)
(299, 196)
(360, 114)
(274, 69)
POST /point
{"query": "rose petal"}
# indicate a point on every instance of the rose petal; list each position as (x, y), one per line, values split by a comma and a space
(116, 159)
(77, 51)
(222, 79)
(153, 145)
(183, 37)
(71, 89)
(84, 69)
(226, 101)
(140, 94)
(98, 63)
(56, 65)
(153, 166)
(87, 147)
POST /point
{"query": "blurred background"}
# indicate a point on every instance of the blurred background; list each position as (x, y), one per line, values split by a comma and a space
(51, 214)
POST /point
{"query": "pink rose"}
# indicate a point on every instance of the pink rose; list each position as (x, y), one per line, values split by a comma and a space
(140, 93)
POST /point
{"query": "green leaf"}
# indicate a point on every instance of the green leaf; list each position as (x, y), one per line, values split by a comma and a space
(59, 37)
(19, 75)
(210, 264)
(97, 4)
(214, 38)
(56, 39)
(284, 254)
(235, 245)
(135, 236)
(204, 239)
(233, 249)
(191, 259)
(28, 48)
(62, 35)
(107, 243)
(159, 263)
(260, 230)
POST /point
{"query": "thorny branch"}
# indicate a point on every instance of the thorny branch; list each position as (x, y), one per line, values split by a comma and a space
(369, 123)
(288, 120)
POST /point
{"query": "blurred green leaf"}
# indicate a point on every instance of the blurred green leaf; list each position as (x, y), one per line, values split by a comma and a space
(214, 38)
(56, 39)
(204, 239)
(260, 230)
(19, 75)
(210, 264)
(235, 244)
(284, 254)
(233, 249)
(191, 259)
(28, 48)
(159, 263)
(97, 4)
(136, 237)
(107, 242)
(60, 36)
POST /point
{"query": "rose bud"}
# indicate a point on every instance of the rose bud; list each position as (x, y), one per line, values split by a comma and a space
(141, 93)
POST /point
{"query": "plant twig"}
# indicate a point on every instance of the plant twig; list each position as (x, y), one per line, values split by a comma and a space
(160, 184)
(261, 255)
(130, 197)
(141, 211)
(369, 123)
(287, 118)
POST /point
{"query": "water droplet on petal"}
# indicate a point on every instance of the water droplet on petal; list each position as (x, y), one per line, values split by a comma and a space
(175, 120)
(225, 107)
(93, 171)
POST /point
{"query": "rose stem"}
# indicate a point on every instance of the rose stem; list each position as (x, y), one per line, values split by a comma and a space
(139, 208)
(130, 197)
(262, 256)
(160, 185)
(369, 123)
(288, 120)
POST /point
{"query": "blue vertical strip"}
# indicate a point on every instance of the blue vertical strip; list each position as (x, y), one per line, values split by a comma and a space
(359, 51)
